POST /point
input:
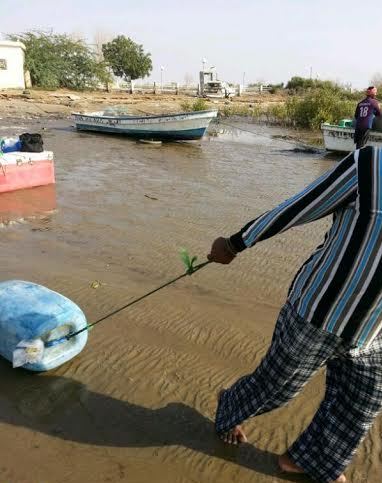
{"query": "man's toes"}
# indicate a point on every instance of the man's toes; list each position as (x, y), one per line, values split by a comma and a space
(231, 438)
(234, 436)
(341, 479)
(226, 438)
(242, 438)
(240, 435)
(286, 464)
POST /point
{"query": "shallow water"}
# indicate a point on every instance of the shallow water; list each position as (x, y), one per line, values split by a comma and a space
(137, 404)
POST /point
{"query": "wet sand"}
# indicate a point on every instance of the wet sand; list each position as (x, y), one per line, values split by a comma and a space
(137, 404)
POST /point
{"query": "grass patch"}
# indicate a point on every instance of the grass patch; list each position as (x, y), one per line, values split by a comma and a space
(198, 105)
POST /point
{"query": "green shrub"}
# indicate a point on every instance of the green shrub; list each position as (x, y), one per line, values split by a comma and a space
(227, 111)
(199, 105)
(186, 106)
(317, 106)
(277, 113)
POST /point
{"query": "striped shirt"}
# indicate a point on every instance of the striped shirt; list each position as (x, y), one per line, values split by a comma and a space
(339, 288)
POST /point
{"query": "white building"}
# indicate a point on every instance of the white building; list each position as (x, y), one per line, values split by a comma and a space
(11, 65)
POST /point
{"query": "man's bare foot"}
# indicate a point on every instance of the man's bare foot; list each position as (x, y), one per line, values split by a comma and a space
(287, 465)
(235, 435)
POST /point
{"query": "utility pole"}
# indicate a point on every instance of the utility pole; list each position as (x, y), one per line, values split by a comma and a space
(161, 77)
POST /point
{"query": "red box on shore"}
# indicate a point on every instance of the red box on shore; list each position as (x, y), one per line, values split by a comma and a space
(19, 170)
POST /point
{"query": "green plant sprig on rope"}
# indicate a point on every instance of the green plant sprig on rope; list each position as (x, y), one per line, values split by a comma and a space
(188, 261)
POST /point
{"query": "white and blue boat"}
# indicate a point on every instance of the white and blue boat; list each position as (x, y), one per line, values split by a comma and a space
(183, 126)
(340, 137)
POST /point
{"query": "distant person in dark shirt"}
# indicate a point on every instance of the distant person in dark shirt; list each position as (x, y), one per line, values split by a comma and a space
(365, 112)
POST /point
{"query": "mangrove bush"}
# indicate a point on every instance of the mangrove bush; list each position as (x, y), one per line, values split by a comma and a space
(317, 106)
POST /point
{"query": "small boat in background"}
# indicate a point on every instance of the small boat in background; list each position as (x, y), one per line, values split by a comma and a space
(183, 126)
(340, 137)
(19, 170)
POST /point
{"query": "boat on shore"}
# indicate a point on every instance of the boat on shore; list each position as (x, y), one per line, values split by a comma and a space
(341, 137)
(20, 170)
(183, 126)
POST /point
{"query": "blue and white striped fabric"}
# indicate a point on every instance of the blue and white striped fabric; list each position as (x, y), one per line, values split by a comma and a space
(339, 288)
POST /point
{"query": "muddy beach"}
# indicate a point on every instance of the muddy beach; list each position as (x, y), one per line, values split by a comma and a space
(137, 404)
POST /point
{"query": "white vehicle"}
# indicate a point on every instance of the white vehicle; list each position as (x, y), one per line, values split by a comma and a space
(218, 89)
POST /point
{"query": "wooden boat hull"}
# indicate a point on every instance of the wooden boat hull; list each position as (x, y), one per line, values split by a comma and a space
(184, 126)
(19, 170)
(341, 139)
(20, 205)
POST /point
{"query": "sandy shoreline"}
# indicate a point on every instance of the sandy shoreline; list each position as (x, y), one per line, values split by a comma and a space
(61, 103)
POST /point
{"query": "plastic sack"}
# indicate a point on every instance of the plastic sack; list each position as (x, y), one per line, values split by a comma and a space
(31, 143)
(9, 145)
(28, 352)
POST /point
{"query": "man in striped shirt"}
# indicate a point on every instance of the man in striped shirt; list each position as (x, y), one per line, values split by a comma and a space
(332, 318)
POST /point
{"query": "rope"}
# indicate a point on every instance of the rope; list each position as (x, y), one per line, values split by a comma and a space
(267, 136)
(67, 337)
(257, 133)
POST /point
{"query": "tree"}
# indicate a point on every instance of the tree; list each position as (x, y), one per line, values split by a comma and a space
(126, 58)
(300, 84)
(59, 61)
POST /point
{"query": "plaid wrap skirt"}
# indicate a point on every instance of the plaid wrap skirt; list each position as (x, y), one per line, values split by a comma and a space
(352, 399)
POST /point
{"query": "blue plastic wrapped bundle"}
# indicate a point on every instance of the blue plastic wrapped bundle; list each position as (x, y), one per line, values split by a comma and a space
(10, 145)
(35, 315)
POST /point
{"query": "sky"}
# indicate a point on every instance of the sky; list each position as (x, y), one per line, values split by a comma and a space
(265, 41)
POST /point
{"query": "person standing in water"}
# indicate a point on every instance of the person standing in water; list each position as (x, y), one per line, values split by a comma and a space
(365, 112)
(332, 318)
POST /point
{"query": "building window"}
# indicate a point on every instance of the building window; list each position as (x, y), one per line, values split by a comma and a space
(3, 64)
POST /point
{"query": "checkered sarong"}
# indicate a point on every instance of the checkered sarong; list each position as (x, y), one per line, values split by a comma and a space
(352, 400)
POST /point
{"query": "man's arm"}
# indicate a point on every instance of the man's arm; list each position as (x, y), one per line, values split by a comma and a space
(356, 114)
(335, 188)
(377, 109)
